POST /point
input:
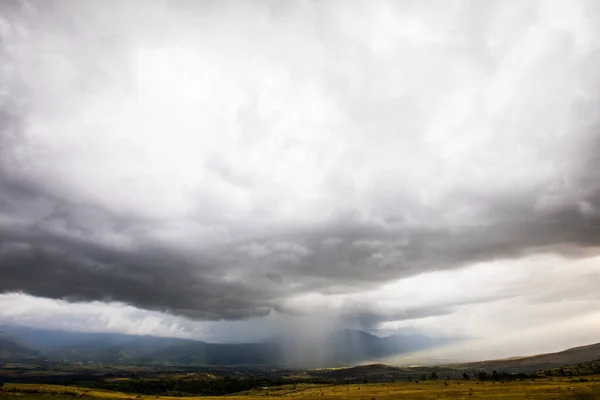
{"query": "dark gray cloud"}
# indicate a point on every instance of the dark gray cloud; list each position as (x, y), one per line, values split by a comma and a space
(157, 156)
(42, 263)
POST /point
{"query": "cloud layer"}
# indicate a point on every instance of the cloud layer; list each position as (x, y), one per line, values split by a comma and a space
(231, 160)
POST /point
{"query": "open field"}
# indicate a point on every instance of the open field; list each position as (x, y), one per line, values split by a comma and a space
(557, 388)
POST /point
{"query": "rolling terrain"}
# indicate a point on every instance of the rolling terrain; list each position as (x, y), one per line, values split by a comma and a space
(344, 347)
(574, 355)
(127, 366)
(341, 349)
(539, 389)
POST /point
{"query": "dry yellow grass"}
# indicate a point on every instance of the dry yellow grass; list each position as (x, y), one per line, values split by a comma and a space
(539, 389)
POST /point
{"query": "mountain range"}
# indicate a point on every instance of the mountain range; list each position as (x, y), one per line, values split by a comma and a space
(342, 347)
(11, 350)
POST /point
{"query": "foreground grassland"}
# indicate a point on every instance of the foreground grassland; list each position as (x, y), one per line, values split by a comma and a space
(558, 388)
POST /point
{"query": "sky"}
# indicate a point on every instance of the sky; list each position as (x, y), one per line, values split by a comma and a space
(233, 170)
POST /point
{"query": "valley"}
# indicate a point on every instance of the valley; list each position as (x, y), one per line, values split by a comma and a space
(129, 366)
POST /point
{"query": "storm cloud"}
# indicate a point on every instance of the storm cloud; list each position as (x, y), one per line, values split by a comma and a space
(227, 160)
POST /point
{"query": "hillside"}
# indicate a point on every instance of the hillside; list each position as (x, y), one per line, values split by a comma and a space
(111, 348)
(584, 368)
(574, 355)
(11, 350)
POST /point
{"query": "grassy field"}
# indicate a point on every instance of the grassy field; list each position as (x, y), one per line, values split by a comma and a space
(556, 388)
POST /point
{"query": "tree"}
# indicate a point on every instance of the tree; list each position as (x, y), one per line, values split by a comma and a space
(466, 376)
(434, 375)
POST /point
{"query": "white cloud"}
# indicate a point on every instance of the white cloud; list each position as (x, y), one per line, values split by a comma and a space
(21, 309)
(412, 165)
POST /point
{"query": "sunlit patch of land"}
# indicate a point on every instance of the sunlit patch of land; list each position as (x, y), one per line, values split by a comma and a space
(549, 388)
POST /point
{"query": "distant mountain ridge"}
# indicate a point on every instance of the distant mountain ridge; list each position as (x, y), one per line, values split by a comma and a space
(340, 348)
(13, 350)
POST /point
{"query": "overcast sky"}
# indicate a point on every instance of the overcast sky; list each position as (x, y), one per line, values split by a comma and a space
(231, 170)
